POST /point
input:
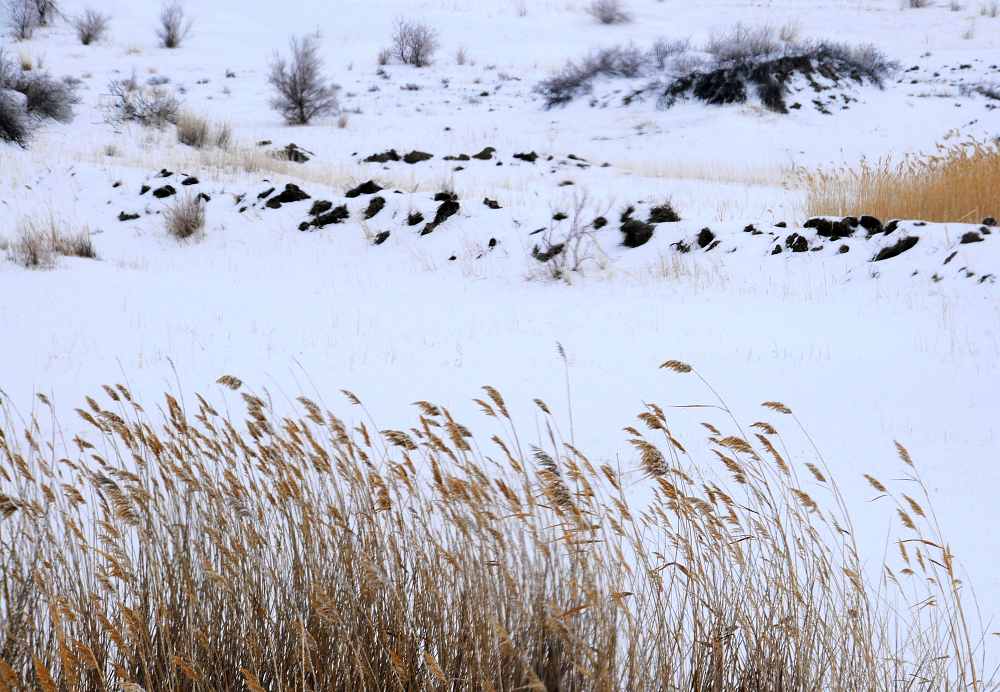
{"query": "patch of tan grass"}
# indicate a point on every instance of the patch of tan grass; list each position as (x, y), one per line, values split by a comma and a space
(187, 550)
(959, 184)
(38, 243)
(185, 218)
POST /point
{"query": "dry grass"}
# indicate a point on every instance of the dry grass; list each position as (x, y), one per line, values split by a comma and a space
(185, 218)
(195, 131)
(37, 244)
(958, 184)
(189, 551)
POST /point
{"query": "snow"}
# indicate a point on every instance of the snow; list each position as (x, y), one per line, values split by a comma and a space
(864, 353)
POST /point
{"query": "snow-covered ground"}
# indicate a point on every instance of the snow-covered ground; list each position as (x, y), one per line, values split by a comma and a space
(865, 353)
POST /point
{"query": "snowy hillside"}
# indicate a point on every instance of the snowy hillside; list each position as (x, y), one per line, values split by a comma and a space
(446, 228)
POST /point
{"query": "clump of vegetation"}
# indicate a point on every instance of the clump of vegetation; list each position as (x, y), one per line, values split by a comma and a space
(958, 183)
(414, 43)
(195, 131)
(301, 92)
(307, 551)
(175, 25)
(27, 97)
(128, 101)
(91, 26)
(37, 244)
(730, 68)
(185, 218)
(608, 12)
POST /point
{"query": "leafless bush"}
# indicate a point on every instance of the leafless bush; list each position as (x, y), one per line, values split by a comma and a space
(414, 43)
(47, 11)
(608, 12)
(742, 43)
(576, 79)
(917, 4)
(175, 25)
(22, 18)
(663, 50)
(185, 218)
(46, 96)
(301, 92)
(91, 26)
(150, 107)
(990, 9)
(568, 245)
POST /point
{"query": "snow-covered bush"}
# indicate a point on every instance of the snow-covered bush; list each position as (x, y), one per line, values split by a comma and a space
(576, 78)
(301, 92)
(414, 43)
(742, 43)
(91, 26)
(175, 25)
(13, 118)
(608, 12)
(150, 107)
(46, 96)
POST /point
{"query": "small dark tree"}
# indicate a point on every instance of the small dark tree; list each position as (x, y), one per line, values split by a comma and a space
(46, 11)
(301, 91)
(174, 25)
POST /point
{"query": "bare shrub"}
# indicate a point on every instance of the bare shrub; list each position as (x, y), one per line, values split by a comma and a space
(990, 9)
(569, 244)
(742, 43)
(22, 18)
(91, 26)
(185, 218)
(47, 11)
(301, 92)
(664, 50)
(46, 96)
(414, 43)
(576, 79)
(917, 4)
(175, 25)
(608, 12)
(148, 106)
(384, 57)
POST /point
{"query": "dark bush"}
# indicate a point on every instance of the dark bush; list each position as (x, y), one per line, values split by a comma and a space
(301, 91)
(175, 25)
(91, 26)
(13, 120)
(414, 43)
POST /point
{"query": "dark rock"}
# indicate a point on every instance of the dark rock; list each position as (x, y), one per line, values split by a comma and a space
(491, 203)
(705, 238)
(164, 173)
(384, 157)
(203, 197)
(414, 218)
(190, 180)
(776, 250)
(681, 247)
(851, 221)
(264, 143)
(781, 224)
(844, 249)
(559, 216)
(266, 193)
(127, 217)
(796, 243)
(663, 213)
(485, 155)
(530, 156)
(376, 205)
(452, 258)
(870, 224)
(417, 156)
(305, 226)
(143, 190)
(164, 192)
(626, 214)
(891, 226)
(492, 244)
(970, 237)
(459, 157)
(599, 223)
(446, 210)
(445, 196)
(896, 249)
(292, 193)
(950, 257)
(749, 229)
(989, 221)
(295, 154)
(636, 233)
(833, 230)
(548, 253)
(381, 238)
(336, 215)
(320, 206)
(367, 188)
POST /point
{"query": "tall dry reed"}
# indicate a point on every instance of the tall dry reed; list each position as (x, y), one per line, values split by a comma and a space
(188, 550)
